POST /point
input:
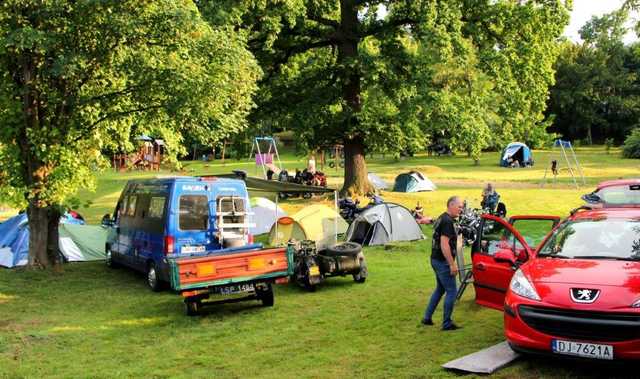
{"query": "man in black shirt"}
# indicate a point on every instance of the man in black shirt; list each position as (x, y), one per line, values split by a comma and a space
(443, 261)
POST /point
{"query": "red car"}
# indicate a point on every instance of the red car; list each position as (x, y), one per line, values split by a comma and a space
(574, 291)
(615, 193)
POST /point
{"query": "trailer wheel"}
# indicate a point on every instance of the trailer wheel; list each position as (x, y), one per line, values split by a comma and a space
(192, 307)
(361, 276)
(266, 296)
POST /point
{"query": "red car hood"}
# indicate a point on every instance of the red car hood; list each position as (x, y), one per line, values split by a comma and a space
(585, 271)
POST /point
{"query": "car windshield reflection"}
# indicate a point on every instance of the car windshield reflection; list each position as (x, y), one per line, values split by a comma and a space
(595, 239)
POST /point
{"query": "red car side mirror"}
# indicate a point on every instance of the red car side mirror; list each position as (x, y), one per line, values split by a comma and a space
(506, 256)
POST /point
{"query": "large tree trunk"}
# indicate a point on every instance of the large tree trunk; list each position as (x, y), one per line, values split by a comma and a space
(356, 180)
(355, 168)
(38, 230)
(43, 218)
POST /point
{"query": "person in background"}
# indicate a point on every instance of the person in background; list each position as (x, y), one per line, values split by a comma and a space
(311, 165)
(490, 198)
(418, 214)
(443, 262)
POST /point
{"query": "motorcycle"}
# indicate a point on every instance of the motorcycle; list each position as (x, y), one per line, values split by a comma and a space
(350, 209)
(312, 267)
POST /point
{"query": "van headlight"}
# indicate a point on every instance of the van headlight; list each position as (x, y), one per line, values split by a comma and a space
(521, 286)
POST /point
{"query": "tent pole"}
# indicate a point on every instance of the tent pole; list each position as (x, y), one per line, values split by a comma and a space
(276, 211)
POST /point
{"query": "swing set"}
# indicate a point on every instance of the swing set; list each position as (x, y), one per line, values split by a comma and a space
(265, 153)
(563, 149)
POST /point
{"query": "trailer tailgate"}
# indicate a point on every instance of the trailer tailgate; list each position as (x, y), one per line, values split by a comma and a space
(200, 272)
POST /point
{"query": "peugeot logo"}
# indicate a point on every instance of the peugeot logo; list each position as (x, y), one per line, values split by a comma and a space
(584, 295)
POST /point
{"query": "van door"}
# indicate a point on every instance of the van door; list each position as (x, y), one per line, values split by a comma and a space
(126, 233)
(193, 219)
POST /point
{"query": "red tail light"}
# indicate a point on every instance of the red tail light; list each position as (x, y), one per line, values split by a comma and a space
(250, 239)
(169, 245)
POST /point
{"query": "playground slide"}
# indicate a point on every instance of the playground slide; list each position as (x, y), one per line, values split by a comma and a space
(272, 167)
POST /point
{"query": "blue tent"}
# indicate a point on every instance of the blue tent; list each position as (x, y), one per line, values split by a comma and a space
(562, 143)
(516, 151)
(14, 239)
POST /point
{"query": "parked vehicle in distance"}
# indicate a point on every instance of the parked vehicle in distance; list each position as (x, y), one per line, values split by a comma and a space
(192, 233)
(615, 193)
(312, 267)
(576, 294)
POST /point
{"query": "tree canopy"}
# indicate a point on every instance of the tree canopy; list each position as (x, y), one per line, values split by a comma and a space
(384, 75)
(76, 76)
(597, 90)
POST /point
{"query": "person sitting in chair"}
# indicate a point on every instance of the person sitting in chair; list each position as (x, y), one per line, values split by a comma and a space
(489, 198)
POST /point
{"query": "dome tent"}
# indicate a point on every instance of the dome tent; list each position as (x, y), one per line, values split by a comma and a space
(265, 213)
(316, 222)
(516, 151)
(413, 181)
(77, 242)
(382, 224)
(377, 182)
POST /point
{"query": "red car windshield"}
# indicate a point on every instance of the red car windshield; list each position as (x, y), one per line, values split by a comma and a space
(595, 239)
(620, 195)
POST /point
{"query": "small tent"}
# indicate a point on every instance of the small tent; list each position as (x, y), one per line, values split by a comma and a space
(382, 224)
(265, 213)
(413, 181)
(516, 151)
(377, 182)
(316, 222)
(77, 242)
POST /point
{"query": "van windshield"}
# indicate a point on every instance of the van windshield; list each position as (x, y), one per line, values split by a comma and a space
(194, 212)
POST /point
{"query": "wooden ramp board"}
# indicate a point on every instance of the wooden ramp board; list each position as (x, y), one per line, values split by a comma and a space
(485, 361)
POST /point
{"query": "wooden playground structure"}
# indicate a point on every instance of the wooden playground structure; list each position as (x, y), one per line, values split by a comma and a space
(147, 157)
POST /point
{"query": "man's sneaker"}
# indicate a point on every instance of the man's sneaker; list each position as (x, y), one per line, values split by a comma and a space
(452, 327)
(426, 322)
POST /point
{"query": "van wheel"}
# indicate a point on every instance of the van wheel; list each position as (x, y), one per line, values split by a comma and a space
(192, 307)
(266, 296)
(109, 259)
(152, 277)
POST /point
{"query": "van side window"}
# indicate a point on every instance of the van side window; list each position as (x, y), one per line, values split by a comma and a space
(131, 205)
(194, 212)
(156, 207)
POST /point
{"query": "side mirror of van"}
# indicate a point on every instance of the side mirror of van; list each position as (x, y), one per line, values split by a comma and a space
(107, 221)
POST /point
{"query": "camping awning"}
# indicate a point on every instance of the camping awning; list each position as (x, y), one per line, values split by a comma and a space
(256, 184)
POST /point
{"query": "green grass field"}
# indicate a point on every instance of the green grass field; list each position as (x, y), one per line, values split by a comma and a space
(91, 321)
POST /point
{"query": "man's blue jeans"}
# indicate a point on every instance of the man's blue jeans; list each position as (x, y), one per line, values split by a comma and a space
(446, 283)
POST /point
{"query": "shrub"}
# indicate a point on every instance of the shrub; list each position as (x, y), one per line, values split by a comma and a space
(631, 147)
(608, 144)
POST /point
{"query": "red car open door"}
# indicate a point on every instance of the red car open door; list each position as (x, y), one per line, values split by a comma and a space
(500, 249)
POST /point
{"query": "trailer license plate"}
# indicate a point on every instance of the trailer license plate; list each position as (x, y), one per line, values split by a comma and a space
(192, 249)
(237, 288)
(582, 349)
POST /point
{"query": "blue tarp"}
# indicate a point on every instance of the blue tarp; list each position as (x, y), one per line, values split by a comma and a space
(516, 151)
(14, 239)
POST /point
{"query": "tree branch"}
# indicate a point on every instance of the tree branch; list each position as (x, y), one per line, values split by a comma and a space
(323, 21)
(382, 27)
